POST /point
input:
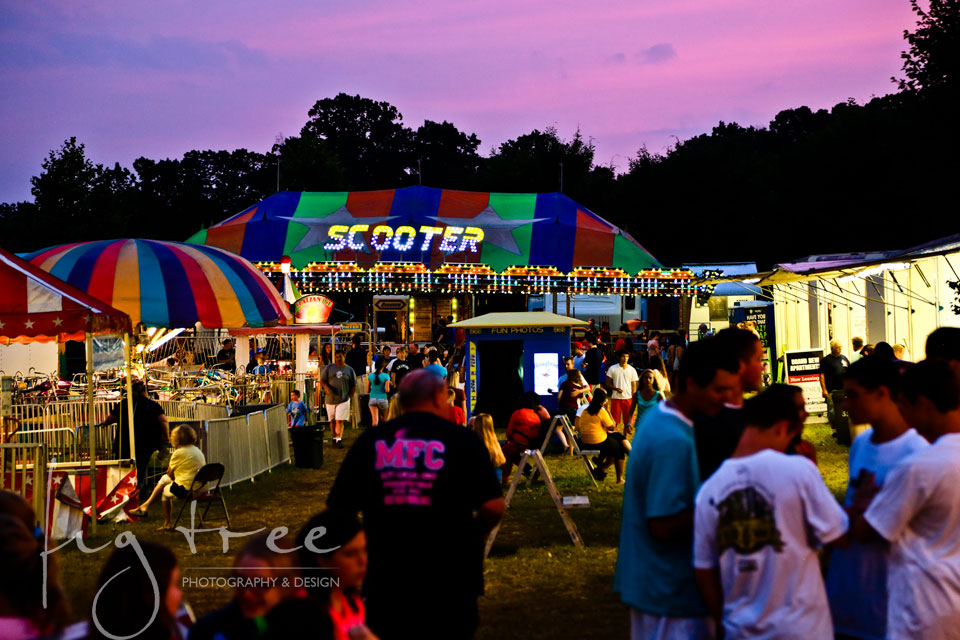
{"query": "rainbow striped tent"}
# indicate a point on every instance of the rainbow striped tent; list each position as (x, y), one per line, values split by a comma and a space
(168, 284)
(430, 226)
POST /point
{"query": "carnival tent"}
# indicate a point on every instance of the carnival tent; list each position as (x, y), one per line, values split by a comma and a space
(427, 225)
(168, 284)
(36, 307)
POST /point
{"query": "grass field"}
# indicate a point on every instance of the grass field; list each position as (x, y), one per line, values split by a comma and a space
(537, 584)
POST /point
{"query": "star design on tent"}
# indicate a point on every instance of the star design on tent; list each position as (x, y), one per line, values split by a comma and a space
(319, 227)
(57, 322)
(2, 325)
(496, 230)
(28, 324)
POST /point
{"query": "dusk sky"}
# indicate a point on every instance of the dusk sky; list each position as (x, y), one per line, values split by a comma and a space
(158, 79)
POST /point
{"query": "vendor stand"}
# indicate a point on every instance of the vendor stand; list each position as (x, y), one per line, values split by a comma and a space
(36, 307)
(511, 353)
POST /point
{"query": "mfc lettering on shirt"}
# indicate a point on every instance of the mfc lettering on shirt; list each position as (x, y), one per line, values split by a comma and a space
(418, 481)
(759, 521)
(857, 577)
(918, 512)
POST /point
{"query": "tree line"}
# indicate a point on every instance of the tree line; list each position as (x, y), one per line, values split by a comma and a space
(878, 175)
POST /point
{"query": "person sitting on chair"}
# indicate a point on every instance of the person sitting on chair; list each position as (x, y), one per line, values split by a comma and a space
(184, 464)
(598, 431)
(524, 431)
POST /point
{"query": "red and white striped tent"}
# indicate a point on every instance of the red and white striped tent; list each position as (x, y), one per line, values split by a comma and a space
(36, 307)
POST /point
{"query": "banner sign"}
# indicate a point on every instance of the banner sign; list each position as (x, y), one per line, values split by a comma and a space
(107, 352)
(312, 309)
(473, 375)
(763, 320)
(803, 370)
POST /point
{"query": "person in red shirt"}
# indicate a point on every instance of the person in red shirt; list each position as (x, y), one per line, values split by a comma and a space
(524, 431)
(456, 413)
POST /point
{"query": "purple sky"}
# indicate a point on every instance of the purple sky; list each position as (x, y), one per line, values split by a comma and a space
(158, 79)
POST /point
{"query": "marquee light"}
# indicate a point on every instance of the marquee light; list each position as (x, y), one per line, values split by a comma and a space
(386, 232)
(429, 232)
(403, 246)
(452, 239)
(450, 235)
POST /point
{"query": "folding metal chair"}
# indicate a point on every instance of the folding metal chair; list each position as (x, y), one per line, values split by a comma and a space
(209, 473)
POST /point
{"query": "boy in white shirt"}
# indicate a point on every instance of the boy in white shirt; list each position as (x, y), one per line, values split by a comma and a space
(918, 511)
(857, 578)
(622, 381)
(759, 521)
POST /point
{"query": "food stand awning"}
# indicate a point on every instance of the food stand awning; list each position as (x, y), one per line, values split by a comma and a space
(36, 307)
(428, 226)
(518, 319)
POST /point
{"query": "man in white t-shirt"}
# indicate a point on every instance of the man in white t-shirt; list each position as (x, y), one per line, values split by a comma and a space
(759, 521)
(917, 511)
(857, 579)
(622, 381)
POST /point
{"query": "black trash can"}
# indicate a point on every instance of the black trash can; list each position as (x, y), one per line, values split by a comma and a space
(841, 419)
(307, 447)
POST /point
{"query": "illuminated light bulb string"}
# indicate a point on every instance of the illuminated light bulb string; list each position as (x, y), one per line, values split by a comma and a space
(416, 277)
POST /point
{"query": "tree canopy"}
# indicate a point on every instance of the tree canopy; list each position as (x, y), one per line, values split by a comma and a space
(854, 177)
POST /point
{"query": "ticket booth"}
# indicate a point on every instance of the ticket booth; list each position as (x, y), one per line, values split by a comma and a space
(512, 353)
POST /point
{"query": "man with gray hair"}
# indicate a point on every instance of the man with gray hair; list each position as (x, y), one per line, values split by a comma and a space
(832, 368)
(429, 497)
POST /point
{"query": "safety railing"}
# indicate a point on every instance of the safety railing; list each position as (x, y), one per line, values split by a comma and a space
(67, 414)
(248, 445)
(23, 470)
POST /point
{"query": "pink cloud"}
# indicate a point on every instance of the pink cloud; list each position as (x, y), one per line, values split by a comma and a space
(247, 70)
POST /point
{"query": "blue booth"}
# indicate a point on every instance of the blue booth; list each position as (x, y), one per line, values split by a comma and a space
(512, 353)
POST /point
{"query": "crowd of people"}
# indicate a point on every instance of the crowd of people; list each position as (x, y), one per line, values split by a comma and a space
(725, 518)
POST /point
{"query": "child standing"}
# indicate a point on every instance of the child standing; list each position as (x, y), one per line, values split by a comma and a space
(296, 410)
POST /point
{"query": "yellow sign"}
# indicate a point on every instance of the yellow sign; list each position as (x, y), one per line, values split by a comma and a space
(312, 309)
(473, 376)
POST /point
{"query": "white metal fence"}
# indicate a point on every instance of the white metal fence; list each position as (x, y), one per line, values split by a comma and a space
(182, 410)
(248, 445)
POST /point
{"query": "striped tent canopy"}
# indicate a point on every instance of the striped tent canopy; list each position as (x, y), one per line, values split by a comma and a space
(168, 284)
(518, 229)
(36, 307)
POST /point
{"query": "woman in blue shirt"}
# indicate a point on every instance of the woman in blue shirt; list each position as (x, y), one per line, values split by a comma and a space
(378, 385)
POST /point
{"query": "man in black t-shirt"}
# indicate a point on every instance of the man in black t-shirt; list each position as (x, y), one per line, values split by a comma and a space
(227, 357)
(151, 429)
(414, 357)
(399, 367)
(592, 362)
(429, 497)
(717, 436)
(356, 357)
(832, 368)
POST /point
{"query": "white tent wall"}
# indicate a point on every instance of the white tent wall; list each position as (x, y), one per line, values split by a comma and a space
(899, 307)
(42, 356)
